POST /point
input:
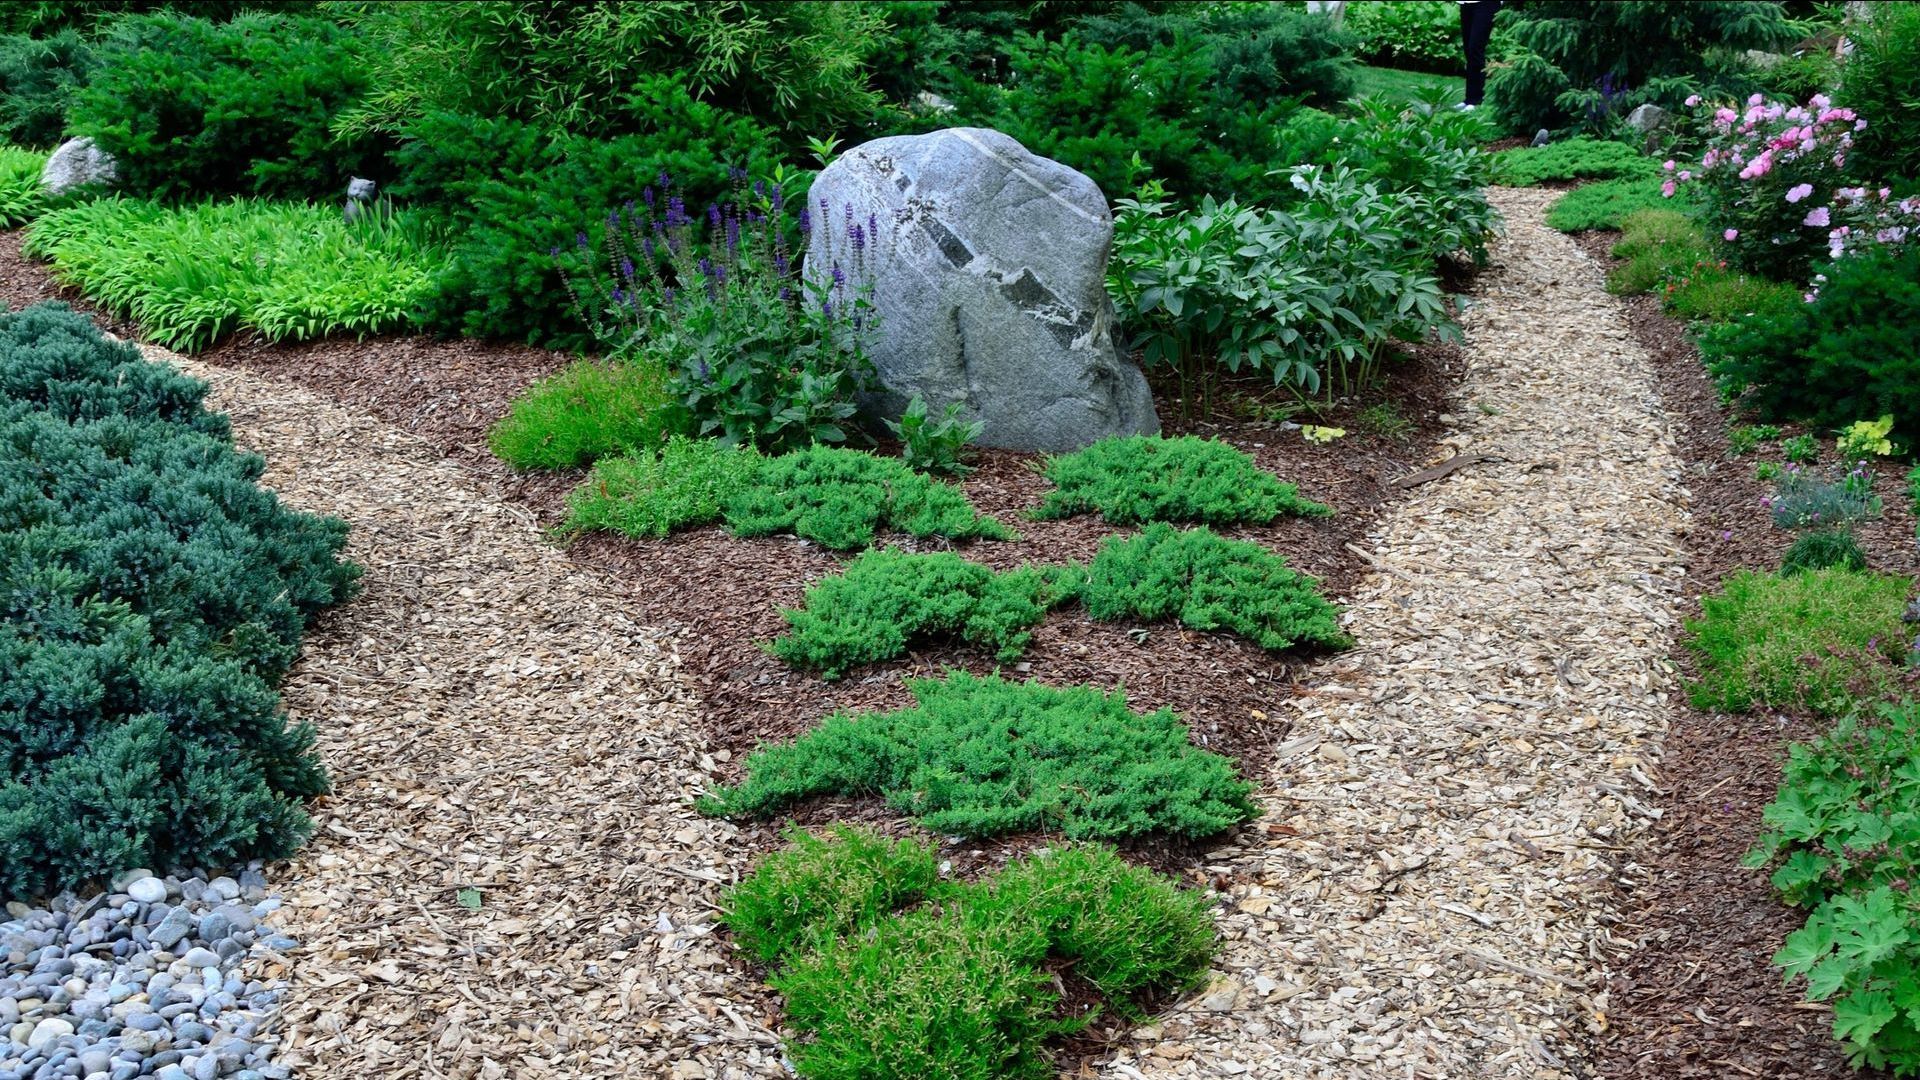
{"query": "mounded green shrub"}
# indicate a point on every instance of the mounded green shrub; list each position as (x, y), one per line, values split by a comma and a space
(189, 107)
(1653, 244)
(1211, 583)
(888, 600)
(1605, 204)
(1573, 159)
(585, 411)
(1822, 639)
(38, 79)
(983, 757)
(836, 497)
(1131, 480)
(191, 275)
(960, 985)
(841, 498)
(151, 597)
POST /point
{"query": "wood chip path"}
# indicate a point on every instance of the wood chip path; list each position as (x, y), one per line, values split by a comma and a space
(493, 719)
(1431, 893)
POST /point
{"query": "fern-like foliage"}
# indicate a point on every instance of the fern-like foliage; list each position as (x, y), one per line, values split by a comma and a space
(1131, 480)
(1208, 582)
(984, 757)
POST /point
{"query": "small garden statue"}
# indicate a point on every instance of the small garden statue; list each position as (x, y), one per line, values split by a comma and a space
(358, 191)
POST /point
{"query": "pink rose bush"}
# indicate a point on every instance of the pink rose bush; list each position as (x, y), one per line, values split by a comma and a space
(1773, 180)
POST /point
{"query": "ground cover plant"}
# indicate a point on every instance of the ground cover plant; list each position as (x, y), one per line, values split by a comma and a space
(981, 757)
(1842, 834)
(890, 971)
(887, 600)
(833, 496)
(1210, 583)
(21, 198)
(1605, 204)
(586, 411)
(1583, 158)
(191, 275)
(1132, 480)
(1822, 639)
(153, 595)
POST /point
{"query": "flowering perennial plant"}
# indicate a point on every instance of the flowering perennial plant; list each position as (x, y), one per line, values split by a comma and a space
(755, 352)
(1773, 179)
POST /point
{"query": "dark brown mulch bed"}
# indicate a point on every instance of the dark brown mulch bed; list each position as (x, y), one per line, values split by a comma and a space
(1699, 997)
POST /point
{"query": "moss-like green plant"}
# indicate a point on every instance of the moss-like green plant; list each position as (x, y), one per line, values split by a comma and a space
(583, 412)
(840, 498)
(983, 757)
(1821, 639)
(1211, 583)
(649, 494)
(1606, 203)
(1134, 479)
(1821, 549)
(1655, 244)
(959, 986)
(835, 497)
(1573, 159)
(886, 600)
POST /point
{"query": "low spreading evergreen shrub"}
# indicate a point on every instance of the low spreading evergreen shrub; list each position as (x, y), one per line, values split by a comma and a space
(841, 498)
(191, 275)
(586, 411)
(38, 77)
(960, 985)
(983, 757)
(1842, 834)
(649, 494)
(151, 596)
(1211, 583)
(1132, 480)
(1822, 639)
(836, 497)
(888, 600)
(1573, 159)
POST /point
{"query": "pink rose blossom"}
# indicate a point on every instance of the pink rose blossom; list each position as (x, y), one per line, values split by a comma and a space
(1731, 235)
(1667, 164)
(1816, 218)
(1798, 192)
(1692, 100)
(1667, 189)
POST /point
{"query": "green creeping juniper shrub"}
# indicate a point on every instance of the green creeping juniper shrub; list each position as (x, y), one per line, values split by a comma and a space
(888, 599)
(649, 494)
(814, 891)
(960, 985)
(1211, 583)
(1823, 549)
(1821, 638)
(583, 412)
(833, 496)
(1575, 159)
(982, 757)
(1653, 244)
(839, 498)
(1843, 832)
(1605, 204)
(1135, 479)
(151, 596)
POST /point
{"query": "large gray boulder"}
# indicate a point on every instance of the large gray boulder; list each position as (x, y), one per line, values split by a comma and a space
(78, 163)
(989, 279)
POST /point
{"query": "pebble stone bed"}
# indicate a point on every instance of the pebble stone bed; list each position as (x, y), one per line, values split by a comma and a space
(146, 980)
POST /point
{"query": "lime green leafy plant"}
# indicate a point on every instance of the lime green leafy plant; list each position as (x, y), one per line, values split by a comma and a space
(1135, 479)
(21, 198)
(983, 757)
